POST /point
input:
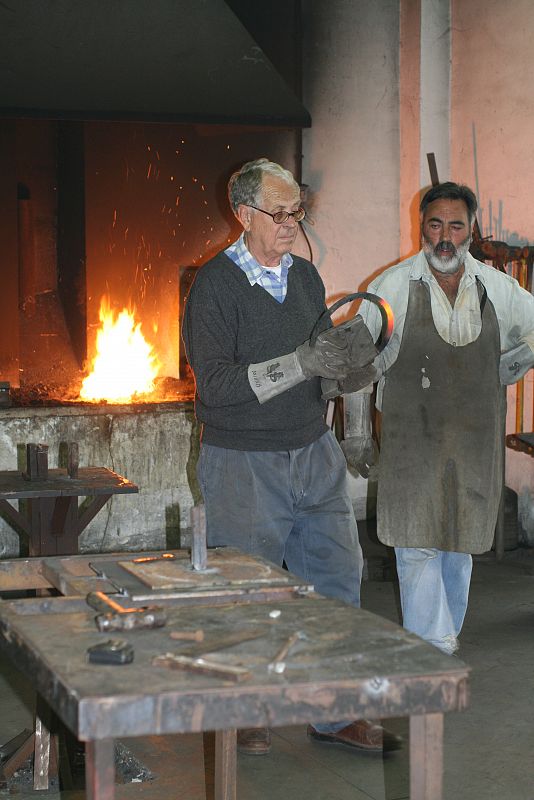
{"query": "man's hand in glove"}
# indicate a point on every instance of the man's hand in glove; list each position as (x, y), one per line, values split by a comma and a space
(362, 352)
(361, 453)
(328, 357)
(358, 445)
(356, 379)
(515, 363)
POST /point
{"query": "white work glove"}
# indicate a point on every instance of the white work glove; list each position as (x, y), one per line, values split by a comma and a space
(515, 363)
(329, 357)
(358, 445)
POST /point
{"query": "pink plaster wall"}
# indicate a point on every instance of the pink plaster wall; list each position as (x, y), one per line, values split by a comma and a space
(492, 112)
(351, 152)
(492, 150)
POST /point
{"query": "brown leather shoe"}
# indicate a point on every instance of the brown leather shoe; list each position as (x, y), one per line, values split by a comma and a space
(363, 735)
(254, 741)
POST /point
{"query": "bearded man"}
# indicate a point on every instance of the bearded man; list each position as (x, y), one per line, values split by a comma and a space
(462, 330)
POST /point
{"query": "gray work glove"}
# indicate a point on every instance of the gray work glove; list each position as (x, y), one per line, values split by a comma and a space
(358, 445)
(356, 379)
(328, 357)
(362, 456)
(515, 363)
(362, 352)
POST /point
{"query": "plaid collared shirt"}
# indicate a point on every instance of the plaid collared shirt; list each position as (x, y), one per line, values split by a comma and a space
(276, 286)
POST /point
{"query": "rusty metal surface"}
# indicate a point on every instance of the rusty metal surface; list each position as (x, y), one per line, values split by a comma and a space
(229, 574)
(81, 574)
(90, 481)
(347, 663)
(225, 566)
(17, 574)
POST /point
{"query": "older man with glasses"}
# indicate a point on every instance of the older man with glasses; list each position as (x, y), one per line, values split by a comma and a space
(272, 474)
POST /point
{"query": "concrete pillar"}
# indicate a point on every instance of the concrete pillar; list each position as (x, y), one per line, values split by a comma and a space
(435, 86)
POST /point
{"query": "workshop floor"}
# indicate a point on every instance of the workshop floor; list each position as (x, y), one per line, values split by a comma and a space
(489, 748)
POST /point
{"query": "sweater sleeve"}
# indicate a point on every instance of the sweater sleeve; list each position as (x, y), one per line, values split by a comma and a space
(209, 334)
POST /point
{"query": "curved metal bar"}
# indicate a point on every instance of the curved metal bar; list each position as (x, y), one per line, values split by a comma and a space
(383, 306)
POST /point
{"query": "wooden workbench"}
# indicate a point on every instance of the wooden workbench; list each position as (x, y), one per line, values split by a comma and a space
(346, 663)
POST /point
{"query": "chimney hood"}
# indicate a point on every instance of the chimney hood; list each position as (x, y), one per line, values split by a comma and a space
(184, 61)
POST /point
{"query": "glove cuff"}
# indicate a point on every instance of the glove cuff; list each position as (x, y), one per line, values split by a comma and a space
(515, 363)
(273, 377)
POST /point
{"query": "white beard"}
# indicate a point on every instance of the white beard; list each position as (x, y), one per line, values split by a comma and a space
(447, 264)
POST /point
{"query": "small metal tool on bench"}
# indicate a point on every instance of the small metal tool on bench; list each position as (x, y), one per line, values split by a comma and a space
(112, 651)
(202, 666)
(224, 642)
(278, 664)
(117, 618)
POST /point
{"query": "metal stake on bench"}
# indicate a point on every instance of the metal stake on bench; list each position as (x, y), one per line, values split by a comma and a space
(199, 548)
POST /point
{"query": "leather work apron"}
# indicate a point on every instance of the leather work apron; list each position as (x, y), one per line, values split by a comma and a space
(442, 442)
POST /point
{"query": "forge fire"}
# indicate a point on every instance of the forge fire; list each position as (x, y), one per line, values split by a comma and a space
(125, 365)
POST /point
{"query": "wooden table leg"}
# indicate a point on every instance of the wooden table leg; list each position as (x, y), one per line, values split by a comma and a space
(100, 769)
(225, 764)
(426, 756)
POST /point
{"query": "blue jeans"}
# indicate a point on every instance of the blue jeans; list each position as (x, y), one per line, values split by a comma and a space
(434, 590)
(290, 505)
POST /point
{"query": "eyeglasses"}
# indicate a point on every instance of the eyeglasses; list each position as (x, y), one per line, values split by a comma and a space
(282, 216)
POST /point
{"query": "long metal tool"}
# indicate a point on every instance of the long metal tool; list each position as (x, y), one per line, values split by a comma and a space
(278, 664)
(202, 666)
(222, 642)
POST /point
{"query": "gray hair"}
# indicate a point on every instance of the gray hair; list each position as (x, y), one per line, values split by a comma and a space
(244, 186)
(451, 191)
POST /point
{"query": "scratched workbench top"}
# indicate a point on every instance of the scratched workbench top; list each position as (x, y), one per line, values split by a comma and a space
(90, 481)
(345, 663)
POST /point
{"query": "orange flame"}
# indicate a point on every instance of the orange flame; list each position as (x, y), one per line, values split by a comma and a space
(125, 364)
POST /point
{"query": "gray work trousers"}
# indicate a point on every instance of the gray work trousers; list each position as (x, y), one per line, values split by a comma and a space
(287, 506)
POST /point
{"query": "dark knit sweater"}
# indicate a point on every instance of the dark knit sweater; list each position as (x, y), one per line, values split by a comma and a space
(229, 324)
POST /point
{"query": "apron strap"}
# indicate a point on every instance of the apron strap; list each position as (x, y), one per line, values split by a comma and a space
(482, 294)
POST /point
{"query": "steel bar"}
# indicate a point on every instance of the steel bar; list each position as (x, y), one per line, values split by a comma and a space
(199, 551)
(41, 755)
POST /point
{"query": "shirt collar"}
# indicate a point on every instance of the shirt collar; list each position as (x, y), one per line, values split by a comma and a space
(241, 255)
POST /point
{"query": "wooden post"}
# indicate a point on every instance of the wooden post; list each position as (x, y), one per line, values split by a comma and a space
(426, 756)
(36, 462)
(225, 764)
(100, 769)
(73, 459)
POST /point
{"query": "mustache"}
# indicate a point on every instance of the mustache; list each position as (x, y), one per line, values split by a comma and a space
(445, 246)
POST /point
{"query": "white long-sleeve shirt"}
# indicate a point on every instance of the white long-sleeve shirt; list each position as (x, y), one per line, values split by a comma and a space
(459, 324)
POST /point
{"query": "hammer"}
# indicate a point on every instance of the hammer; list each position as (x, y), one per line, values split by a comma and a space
(118, 618)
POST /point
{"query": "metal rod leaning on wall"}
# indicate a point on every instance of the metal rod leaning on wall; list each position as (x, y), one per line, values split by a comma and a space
(520, 272)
